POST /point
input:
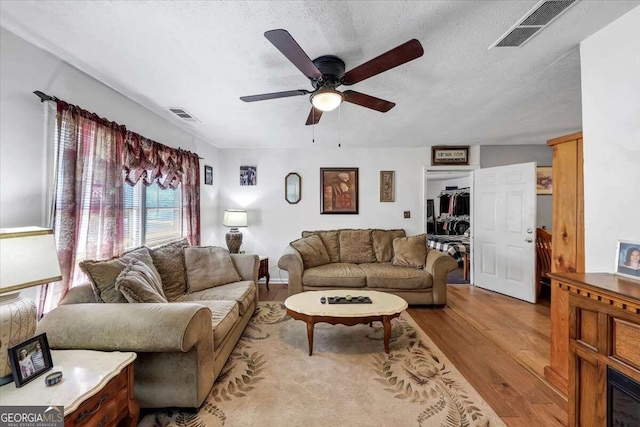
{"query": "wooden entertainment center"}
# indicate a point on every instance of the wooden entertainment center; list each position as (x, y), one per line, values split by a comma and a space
(604, 332)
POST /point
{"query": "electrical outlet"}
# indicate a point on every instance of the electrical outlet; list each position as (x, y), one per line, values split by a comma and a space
(407, 214)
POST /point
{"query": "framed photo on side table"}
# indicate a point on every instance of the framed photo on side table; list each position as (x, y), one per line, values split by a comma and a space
(628, 259)
(30, 359)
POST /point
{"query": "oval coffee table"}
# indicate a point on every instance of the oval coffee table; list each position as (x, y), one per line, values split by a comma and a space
(307, 306)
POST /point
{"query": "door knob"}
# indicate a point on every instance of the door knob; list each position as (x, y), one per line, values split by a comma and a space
(530, 231)
(528, 240)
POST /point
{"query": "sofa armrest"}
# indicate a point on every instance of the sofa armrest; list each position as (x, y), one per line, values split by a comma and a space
(248, 267)
(169, 327)
(439, 265)
(291, 261)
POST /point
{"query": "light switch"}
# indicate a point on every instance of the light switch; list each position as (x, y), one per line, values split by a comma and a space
(407, 214)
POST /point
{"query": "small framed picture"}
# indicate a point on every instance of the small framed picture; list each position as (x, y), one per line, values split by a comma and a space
(544, 180)
(208, 175)
(338, 191)
(628, 259)
(30, 359)
(387, 186)
(249, 175)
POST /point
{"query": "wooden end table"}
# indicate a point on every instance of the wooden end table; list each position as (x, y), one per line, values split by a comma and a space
(96, 388)
(306, 306)
(264, 269)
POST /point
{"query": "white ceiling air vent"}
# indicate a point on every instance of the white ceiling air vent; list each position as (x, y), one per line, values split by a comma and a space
(535, 20)
(183, 114)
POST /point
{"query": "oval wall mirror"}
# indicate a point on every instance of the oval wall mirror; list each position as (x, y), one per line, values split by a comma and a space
(293, 188)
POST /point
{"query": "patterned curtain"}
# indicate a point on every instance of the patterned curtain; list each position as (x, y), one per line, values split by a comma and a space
(150, 161)
(88, 214)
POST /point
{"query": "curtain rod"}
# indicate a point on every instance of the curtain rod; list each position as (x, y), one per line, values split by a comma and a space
(44, 97)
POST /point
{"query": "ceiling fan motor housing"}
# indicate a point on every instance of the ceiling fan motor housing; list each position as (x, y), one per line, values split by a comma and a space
(332, 69)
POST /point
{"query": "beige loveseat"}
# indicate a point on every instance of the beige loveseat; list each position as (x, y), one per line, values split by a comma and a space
(380, 260)
(181, 345)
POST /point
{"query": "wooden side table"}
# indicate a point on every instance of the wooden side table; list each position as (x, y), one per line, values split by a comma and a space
(264, 269)
(96, 388)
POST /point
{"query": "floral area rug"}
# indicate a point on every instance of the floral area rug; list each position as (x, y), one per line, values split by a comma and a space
(270, 380)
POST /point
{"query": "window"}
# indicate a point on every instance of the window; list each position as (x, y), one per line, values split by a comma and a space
(152, 216)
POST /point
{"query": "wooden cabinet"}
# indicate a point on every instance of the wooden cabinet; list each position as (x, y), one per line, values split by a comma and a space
(604, 331)
(567, 249)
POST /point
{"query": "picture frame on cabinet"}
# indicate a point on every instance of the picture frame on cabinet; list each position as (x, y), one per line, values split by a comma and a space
(30, 359)
(628, 259)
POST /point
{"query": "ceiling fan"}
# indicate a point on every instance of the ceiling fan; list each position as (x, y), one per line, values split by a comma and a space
(327, 72)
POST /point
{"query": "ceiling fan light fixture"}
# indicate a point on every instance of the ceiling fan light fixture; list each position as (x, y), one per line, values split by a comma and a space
(327, 99)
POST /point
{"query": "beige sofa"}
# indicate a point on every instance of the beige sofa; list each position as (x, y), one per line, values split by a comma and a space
(380, 260)
(181, 345)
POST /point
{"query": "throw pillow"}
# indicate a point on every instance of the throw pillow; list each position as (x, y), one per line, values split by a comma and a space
(169, 261)
(312, 251)
(208, 267)
(410, 251)
(139, 284)
(383, 243)
(330, 239)
(356, 247)
(103, 274)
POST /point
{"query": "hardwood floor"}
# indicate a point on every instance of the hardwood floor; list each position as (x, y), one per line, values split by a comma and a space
(498, 343)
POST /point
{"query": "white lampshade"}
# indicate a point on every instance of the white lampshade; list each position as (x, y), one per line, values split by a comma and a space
(28, 257)
(234, 218)
(326, 99)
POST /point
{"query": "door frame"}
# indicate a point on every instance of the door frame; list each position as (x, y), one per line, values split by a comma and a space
(469, 169)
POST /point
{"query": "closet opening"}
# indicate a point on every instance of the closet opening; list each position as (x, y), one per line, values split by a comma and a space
(448, 219)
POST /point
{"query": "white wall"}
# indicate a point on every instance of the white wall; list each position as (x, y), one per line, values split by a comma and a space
(273, 222)
(25, 68)
(610, 64)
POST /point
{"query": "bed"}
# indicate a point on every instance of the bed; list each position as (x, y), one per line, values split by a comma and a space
(456, 246)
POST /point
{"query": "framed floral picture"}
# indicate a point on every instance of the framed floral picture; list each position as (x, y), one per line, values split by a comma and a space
(387, 186)
(544, 180)
(338, 190)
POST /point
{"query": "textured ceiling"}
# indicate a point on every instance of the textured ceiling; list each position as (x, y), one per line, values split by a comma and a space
(203, 55)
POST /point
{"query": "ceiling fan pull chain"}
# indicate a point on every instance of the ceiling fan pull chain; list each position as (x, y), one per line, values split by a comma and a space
(313, 127)
(339, 125)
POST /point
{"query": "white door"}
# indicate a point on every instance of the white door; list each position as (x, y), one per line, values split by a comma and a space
(504, 208)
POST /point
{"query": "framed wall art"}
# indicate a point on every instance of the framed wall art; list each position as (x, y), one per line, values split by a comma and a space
(208, 175)
(249, 175)
(450, 155)
(387, 186)
(628, 259)
(544, 180)
(338, 190)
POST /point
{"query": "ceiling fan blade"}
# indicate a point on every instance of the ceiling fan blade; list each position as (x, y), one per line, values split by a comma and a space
(397, 56)
(314, 116)
(274, 95)
(283, 41)
(368, 101)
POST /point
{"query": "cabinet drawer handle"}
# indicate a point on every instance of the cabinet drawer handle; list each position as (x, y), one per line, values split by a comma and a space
(86, 414)
(103, 421)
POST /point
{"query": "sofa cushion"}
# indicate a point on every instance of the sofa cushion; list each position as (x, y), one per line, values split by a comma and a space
(103, 274)
(383, 243)
(224, 315)
(244, 293)
(339, 275)
(208, 267)
(312, 251)
(169, 262)
(331, 240)
(139, 284)
(356, 247)
(387, 276)
(410, 251)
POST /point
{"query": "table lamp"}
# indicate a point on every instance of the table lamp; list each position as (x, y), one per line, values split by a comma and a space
(28, 257)
(234, 218)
